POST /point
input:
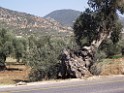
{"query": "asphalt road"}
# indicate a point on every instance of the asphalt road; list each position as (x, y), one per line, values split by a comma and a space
(104, 85)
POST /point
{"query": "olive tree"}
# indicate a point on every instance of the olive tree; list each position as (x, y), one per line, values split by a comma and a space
(96, 24)
(6, 47)
(20, 48)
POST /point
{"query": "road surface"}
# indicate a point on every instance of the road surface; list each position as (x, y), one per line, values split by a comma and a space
(104, 85)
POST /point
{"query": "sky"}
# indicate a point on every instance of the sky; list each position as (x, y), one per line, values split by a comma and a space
(43, 7)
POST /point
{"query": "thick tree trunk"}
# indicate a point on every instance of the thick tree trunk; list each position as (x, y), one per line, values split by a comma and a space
(77, 64)
(102, 36)
(2, 62)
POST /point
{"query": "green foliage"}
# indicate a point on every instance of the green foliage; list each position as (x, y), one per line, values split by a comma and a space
(6, 47)
(11, 46)
(86, 27)
(42, 56)
(110, 50)
(106, 49)
(100, 18)
(121, 43)
(115, 35)
(20, 48)
(116, 56)
(96, 69)
(100, 55)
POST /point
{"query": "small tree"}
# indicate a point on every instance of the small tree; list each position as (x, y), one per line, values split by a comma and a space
(20, 47)
(6, 47)
(42, 56)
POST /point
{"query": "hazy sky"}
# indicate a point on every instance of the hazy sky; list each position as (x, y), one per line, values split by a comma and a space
(43, 7)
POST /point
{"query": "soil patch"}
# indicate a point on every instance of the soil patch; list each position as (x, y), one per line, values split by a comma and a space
(14, 74)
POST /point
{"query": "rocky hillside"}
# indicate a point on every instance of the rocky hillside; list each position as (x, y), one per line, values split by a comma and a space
(66, 17)
(26, 24)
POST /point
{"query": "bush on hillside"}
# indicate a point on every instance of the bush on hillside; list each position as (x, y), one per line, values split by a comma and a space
(42, 56)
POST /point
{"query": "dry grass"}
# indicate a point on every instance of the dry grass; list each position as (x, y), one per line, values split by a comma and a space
(10, 59)
(113, 66)
(15, 72)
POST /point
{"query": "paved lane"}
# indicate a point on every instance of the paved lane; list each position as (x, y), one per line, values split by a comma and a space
(107, 85)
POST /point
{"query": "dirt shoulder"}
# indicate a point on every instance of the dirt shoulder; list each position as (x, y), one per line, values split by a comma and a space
(94, 78)
(14, 73)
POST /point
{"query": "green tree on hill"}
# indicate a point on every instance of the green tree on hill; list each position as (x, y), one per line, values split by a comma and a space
(6, 46)
(99, 22)
(20, 48)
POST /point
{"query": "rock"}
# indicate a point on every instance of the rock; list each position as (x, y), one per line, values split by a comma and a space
(21, 83)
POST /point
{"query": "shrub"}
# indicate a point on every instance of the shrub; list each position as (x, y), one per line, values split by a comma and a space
(109, 49)
(43, 54)
(96, 69)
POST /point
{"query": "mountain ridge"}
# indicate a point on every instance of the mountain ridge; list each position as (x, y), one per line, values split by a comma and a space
(64, 16)
(23, 23)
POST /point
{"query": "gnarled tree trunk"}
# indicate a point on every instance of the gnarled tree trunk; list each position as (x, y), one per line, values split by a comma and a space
(2, 62)
(77, 64)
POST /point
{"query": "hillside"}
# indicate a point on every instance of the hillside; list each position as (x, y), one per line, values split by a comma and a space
(66, 17)
(27, 24)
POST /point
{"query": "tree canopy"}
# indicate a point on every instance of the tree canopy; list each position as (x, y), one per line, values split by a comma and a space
(99, 21)
(95, 24)
(11, 45)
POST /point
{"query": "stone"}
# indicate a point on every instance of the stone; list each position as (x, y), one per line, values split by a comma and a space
(21, 83)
